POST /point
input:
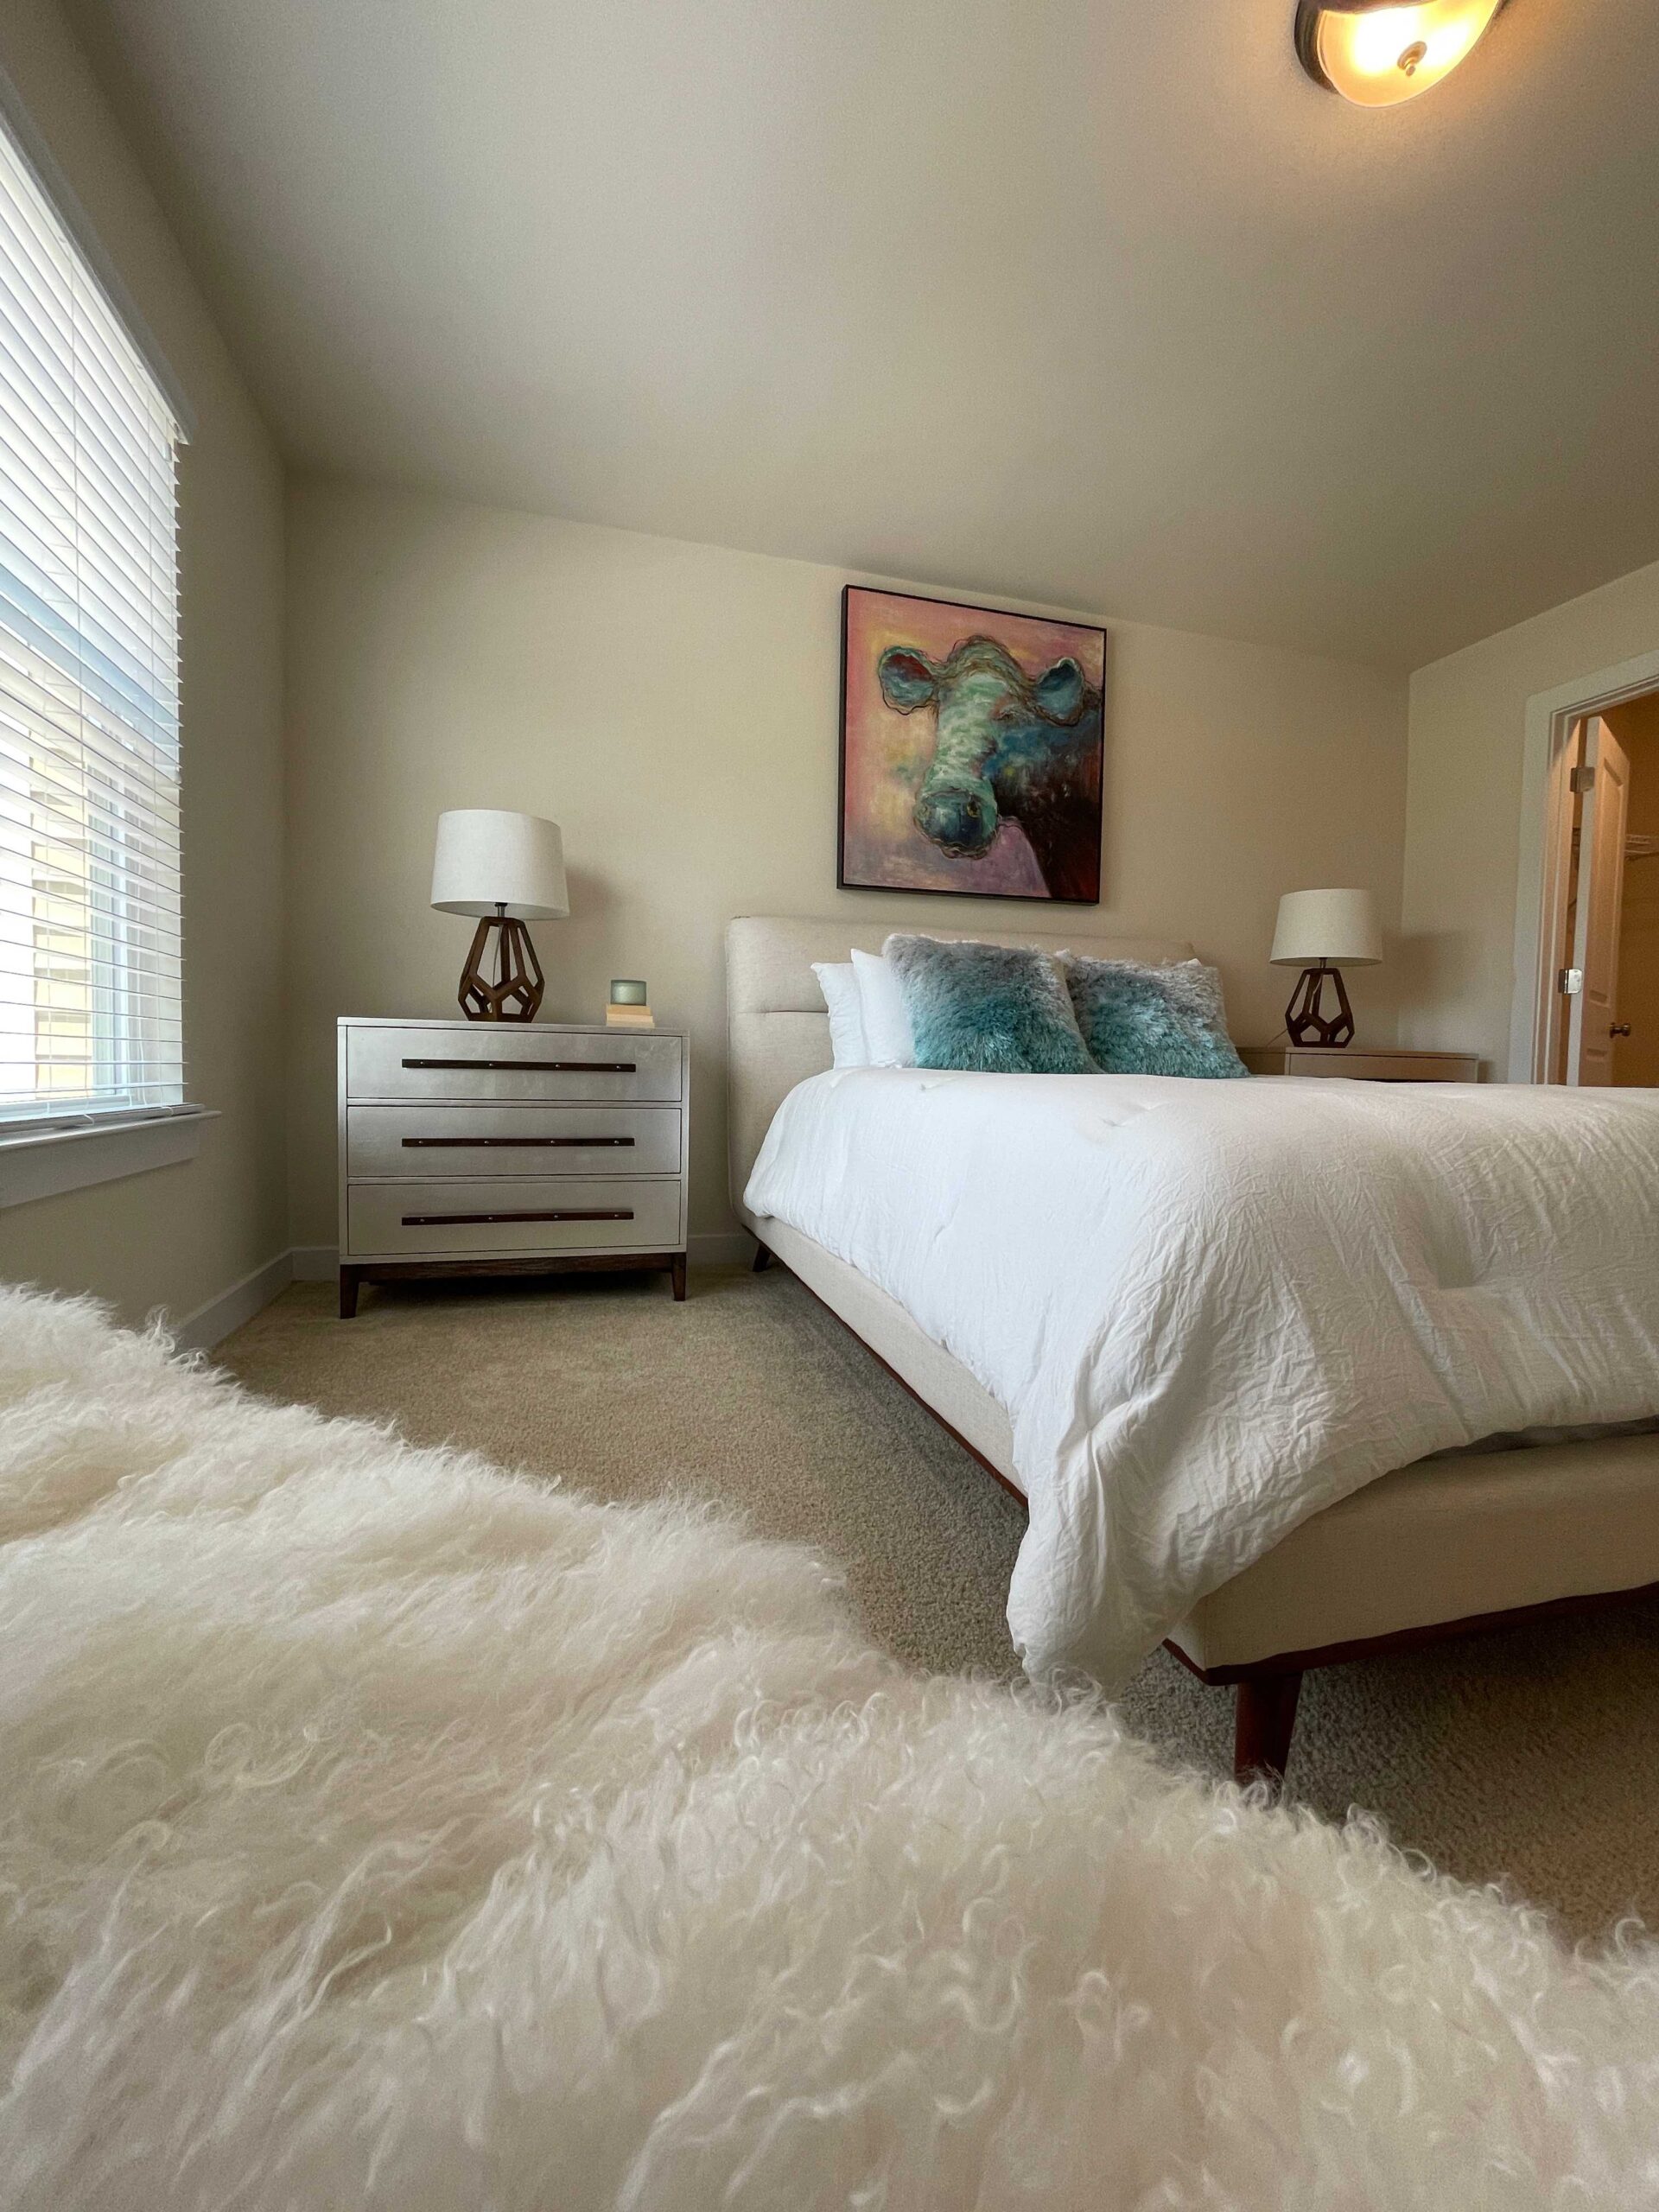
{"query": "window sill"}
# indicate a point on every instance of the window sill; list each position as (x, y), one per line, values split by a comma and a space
(44, 1163)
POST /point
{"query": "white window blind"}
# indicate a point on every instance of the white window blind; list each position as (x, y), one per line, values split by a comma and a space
(89, 689)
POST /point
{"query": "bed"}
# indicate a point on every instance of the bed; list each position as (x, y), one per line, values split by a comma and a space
(1443, 1546)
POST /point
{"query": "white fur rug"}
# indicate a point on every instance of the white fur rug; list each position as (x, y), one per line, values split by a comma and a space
(381, 1831)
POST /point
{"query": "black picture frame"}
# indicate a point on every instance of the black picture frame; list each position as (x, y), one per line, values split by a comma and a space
(1071, 846)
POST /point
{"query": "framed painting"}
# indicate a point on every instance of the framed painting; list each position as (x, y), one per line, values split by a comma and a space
(970, 750)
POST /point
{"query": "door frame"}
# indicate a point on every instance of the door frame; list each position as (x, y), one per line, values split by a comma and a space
(1542, 881)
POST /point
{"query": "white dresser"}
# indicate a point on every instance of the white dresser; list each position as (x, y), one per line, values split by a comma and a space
(473, 1148)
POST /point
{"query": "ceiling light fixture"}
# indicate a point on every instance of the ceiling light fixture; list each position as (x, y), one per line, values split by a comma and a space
(1377, 53)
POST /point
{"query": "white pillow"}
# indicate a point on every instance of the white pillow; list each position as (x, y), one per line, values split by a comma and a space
(840, 987)
(887, 1038)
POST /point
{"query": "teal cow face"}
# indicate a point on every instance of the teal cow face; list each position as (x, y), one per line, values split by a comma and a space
(999, 735)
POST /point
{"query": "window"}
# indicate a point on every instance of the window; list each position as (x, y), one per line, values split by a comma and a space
(89, 691)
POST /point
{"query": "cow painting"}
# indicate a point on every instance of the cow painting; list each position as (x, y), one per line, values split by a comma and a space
(971, 750)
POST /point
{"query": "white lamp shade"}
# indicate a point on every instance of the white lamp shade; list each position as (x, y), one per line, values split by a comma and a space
(487, 858)
(1337, 926)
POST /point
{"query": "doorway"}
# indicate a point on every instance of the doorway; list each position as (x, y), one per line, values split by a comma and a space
(1600, 990)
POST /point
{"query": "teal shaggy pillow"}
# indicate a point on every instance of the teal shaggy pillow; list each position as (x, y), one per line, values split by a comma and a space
(996, 1009)
(1140, 1021)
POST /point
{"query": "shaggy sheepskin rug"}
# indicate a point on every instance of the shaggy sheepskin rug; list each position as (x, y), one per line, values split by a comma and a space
(379, 1830)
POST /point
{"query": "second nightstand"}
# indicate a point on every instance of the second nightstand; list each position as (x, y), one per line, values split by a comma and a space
(1361, 1063)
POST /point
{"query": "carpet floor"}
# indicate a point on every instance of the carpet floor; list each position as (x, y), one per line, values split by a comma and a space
(1526, 1758)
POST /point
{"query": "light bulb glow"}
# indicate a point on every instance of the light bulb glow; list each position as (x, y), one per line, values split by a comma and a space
(1382, 55)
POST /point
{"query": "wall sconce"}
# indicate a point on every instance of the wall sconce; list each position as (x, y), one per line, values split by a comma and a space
(1377, 53)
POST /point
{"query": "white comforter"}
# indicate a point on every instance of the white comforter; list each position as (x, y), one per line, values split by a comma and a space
(1212, 1309)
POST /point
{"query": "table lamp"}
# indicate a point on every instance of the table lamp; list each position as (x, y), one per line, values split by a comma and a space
(506, 869)
(1318, 929)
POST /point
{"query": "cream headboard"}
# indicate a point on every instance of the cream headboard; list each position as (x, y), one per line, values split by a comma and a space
(778, 1032)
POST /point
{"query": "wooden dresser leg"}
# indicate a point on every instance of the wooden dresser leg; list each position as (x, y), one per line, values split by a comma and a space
(349, 1279)
(677, 1269)
(762, 1259)
(1265, 1714)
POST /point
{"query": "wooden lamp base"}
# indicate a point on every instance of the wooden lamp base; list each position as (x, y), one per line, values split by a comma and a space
(1305, 1017)
(515, 994)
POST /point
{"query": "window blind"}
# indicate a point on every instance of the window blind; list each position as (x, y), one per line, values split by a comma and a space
(90, 918)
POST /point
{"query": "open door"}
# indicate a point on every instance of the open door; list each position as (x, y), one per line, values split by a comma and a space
(1603, 780)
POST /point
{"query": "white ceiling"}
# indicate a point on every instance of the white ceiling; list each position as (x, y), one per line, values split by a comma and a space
(1092, 302)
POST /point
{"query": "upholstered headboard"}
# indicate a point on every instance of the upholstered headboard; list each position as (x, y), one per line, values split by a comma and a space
(777, 1031)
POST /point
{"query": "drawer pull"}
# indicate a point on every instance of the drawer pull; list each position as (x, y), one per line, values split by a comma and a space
(538, 1067)
(437, 1220)
(509, 1144)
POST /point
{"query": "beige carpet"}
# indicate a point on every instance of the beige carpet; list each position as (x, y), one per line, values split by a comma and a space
(1529, 1757)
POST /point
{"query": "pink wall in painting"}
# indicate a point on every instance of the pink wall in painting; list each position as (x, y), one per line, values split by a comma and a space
(888, 753)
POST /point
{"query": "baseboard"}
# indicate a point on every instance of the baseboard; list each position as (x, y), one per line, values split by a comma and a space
(722, 1249)
(212, 1323)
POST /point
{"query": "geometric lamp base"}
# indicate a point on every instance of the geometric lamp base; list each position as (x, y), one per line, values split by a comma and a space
(516, 993)
(1306, 1022)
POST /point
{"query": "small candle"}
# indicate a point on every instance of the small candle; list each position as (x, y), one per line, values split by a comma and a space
(626, 992)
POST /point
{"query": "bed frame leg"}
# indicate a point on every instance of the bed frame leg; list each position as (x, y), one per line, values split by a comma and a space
(762, 1258)
(1265, 1714)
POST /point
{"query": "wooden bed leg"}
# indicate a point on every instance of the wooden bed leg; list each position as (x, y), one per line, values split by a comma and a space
(1265, 1713)
(762, 1258)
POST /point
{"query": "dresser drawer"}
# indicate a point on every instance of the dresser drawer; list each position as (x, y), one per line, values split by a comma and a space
(447, 1141)
(493, 1062)
(501, 1215)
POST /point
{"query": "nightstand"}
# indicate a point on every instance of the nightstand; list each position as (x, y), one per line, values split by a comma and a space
(1359, 1063)
(471, 1147)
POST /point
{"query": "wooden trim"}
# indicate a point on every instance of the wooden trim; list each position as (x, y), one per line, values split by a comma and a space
(442, 1220)
(352, 1273)
(1414, 1639)
(543, 1264)
(533, 1067)
(514, 1144)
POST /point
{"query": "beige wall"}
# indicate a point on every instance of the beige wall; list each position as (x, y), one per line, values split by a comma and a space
(674, 706)
(181, 1236)
(1463, 815)
(1636, 1058)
